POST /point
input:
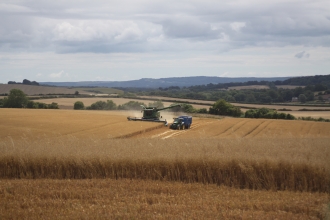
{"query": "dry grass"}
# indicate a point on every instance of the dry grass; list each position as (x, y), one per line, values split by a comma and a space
(254, 128)
(298, 165)
(137, 199)
(32, 124)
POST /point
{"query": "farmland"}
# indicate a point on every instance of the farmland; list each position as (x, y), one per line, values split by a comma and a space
(67, 103)
(36, 90)
(100, 164)
(140, 199)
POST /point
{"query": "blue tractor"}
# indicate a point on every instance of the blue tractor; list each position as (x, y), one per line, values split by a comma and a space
(181, 122)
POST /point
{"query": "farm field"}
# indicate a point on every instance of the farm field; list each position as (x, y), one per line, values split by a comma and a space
(248, 87)
(97, 162)
(67, 103)
(141, 199)
(36, 90)
(50, 123)
(246, 106)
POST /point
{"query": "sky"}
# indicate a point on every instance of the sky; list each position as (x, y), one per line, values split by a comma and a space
(119, 40)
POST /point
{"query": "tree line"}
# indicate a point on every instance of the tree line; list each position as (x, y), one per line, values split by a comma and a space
(17, 99)
(305, 92)
(25, 82)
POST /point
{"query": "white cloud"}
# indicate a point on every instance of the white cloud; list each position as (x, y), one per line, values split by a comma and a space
(138, 37)
(58, 75)
(237, 26)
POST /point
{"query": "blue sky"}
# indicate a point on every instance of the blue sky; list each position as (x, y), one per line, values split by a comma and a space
(124, 40)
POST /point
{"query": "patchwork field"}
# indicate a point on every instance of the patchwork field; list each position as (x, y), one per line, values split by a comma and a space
(98, 164)
(68, 103)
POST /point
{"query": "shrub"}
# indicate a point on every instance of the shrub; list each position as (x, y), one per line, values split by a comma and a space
(202, 111)
(267, 113)
(78, 105)
(101, 105)
(16, 99)
(54, 105)
(221, 107)
(32, 104)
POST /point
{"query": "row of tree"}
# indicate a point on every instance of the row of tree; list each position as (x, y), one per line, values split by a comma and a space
(263, 96)
(25, 82)
(17, 99)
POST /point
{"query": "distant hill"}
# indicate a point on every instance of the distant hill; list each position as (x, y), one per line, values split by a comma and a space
(164, 82)
(308, 80)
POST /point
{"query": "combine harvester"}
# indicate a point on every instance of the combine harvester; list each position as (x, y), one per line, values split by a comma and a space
(181, 122)
(152, 114)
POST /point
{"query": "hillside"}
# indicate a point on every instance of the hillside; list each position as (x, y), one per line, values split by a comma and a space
(36, 90)
(165, 82)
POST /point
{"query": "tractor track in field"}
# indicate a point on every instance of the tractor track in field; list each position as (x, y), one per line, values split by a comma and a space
(231, 128)
(262, 125)
(266, 125)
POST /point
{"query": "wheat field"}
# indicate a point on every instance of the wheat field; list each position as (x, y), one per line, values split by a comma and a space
(256, 159)
(143, 199)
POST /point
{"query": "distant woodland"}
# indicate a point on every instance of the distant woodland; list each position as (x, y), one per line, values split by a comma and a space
(25, 82)
(312, 88)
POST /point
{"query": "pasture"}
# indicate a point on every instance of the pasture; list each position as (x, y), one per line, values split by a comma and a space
(97, 163)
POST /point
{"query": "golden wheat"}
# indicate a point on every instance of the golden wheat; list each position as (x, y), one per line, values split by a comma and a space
(140, 199)
(252, 164)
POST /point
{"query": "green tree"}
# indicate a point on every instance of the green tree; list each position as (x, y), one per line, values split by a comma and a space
(16, 99)
(78, 105)
(54, 105)
(250, 98)
(302, 98)
(188, 108)
(221, 107)
(110, 105)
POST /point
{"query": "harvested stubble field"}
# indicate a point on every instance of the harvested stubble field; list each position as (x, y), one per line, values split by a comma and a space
(285, 161)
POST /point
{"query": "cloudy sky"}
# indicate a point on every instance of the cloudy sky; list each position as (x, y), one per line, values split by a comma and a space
(116, 40)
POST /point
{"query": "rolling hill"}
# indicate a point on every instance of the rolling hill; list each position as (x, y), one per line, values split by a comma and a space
(165, 82)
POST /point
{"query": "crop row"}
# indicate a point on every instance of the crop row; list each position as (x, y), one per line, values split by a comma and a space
(235, 173)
